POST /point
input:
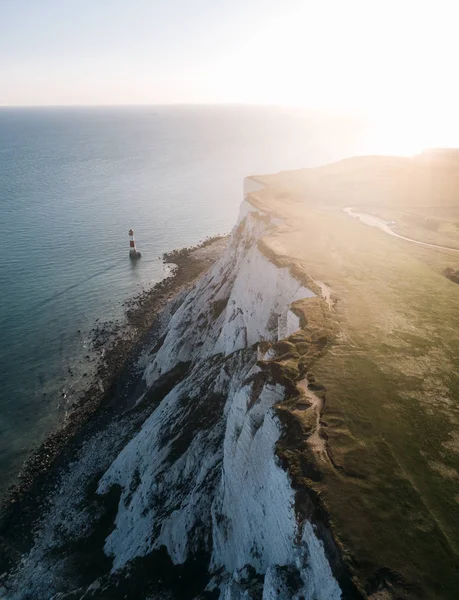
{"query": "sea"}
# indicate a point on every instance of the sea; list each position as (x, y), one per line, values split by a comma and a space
(73, 181)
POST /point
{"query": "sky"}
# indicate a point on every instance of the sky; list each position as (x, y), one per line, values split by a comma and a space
(396, 57)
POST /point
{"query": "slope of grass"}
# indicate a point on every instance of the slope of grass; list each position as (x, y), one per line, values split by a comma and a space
(390, 482)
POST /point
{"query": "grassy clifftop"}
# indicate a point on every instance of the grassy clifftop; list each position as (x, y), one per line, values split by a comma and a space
(426, 180)
(389, 477)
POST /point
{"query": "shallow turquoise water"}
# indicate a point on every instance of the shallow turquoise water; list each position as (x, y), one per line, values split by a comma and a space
(72, 183)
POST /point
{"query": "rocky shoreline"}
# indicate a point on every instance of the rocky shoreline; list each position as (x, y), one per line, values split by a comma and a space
(118, 348)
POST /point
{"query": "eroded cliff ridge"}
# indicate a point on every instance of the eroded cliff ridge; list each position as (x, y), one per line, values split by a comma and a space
(291, 434)
(191, 499)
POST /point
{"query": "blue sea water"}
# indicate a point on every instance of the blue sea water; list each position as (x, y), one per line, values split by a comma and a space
(72, 183)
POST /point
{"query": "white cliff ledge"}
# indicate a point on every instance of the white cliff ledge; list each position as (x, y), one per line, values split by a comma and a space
(199, 475)
(248, 510)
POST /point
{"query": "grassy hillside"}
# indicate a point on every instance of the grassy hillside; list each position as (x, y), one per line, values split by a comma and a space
(430, 179)
(390, 476)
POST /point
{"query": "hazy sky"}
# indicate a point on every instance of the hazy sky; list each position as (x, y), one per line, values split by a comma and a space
(125, 51)
(361, 55)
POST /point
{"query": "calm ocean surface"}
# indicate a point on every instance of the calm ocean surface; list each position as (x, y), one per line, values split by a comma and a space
(72, 183)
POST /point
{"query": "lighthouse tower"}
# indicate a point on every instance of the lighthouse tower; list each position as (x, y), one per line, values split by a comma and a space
(133, 252)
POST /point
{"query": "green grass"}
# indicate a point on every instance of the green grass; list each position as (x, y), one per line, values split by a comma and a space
(391, 378)
(390, 508)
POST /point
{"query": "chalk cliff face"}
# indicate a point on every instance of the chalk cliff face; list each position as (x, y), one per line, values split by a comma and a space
(192, 468)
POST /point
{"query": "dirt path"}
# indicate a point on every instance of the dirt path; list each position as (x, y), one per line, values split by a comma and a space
(316, 442)
(373, 221)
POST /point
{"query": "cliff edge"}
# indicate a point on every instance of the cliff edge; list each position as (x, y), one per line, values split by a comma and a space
(291, 434)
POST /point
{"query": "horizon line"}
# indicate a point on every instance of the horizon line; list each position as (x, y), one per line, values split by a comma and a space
(348, 113)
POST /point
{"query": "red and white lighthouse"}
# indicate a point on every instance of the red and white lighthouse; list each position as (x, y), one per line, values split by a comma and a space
(133, 252)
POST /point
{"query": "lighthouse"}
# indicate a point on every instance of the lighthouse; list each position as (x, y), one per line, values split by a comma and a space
(133, 252)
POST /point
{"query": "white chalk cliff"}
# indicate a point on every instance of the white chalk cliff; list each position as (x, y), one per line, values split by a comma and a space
(198, 474)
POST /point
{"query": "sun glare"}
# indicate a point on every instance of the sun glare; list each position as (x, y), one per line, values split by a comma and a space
(392, 62)
(398, 134)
